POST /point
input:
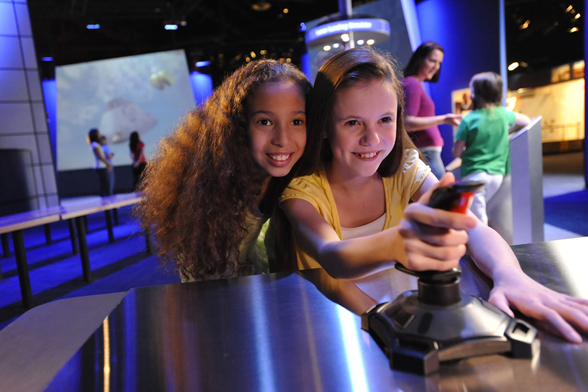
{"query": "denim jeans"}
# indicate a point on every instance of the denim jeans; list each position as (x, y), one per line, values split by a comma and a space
(435, 162)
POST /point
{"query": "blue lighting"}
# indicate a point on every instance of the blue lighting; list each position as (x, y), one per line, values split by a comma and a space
(201, 86)
(302, 26)
(47, 58)
(372, 25)
(171, 26)
(94, 26)
(202, 63)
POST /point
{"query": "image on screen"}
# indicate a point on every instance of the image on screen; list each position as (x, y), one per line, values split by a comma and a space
(146, 93)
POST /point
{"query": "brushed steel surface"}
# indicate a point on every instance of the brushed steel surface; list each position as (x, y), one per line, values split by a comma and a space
(279, 333)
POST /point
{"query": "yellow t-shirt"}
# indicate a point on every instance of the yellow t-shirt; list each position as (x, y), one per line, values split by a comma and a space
(398, 189)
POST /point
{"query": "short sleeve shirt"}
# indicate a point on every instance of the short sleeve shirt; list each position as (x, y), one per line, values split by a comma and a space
(485, 133)
(398, 189)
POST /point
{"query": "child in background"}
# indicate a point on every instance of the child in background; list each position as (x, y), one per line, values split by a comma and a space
(352, 217)
(138, 157)
(108, 155)
(216, 179)
(482, 139)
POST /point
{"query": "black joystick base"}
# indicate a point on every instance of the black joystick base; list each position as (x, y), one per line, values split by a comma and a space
(437, 323)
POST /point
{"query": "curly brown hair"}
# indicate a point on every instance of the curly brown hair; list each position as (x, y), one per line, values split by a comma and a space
(203, 181)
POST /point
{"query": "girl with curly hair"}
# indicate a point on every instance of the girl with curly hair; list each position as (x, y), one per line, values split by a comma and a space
(215, 180)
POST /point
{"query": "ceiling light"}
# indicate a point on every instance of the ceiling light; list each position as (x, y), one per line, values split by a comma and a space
(525, 25)
(47, 58)
(335, 45)
(326, 48)
(261, 5)
(569, 8)
(513, 66)
(573, 29)
(253, 55)
(577, 16)
(171, 26)
(302, 26)
(96, 26)
(247, 59)
(371, 42)
(360, 42)
(286, 10)
(345, 37)
(203, 63)
(263, 52)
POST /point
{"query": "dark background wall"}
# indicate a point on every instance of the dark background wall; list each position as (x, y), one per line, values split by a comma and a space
(469, 33)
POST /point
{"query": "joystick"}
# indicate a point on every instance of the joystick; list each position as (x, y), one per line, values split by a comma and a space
(438, 323)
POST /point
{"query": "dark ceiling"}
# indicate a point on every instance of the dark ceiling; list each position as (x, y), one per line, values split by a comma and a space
(548, 39)
(224, 32)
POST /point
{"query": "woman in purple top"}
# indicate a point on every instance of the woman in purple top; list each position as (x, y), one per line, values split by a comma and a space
(421, 121)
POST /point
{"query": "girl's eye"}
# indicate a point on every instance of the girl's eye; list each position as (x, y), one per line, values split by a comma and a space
(386, 119)
(351, 122)
(298, 122)
(264, 121)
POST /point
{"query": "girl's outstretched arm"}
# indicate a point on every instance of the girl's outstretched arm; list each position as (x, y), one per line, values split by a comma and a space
(513, 289)
(414, 243)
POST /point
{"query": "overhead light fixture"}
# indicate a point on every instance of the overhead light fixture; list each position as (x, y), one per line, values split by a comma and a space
(577, 16)
(569, 9)
(302, 26)
(171, 26)
(335, 45)
(573, 29)
(260, 5)
(47, 58)
(326, 48)
(346, 32)
(200, 64)
(286, 10)
(525, 25)
(93, 26)
(513, 66)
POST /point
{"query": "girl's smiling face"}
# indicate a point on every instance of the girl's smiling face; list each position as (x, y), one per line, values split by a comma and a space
(277, 127)
(431, 65)
(364, 128)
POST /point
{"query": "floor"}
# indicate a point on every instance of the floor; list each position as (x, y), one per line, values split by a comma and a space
(56, 273)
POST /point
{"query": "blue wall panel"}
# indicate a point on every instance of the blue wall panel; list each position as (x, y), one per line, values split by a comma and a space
(469, 32)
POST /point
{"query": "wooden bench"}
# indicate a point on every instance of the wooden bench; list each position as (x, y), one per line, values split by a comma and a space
(15, 224)
(78, 213)
(74, 214)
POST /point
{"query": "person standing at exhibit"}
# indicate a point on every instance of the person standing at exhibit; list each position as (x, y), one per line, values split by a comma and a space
(139, 161)
(482, 139)
(101, 165)
(108, 155)
(421, 121)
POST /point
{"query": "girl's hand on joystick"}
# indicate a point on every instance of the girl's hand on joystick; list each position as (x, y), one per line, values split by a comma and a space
(433, 239)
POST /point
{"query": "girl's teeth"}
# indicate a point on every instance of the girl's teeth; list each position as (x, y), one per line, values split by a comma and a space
(370, 155)
(280, 157)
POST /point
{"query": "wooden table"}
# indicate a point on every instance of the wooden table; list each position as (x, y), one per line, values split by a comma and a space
(267, 332)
